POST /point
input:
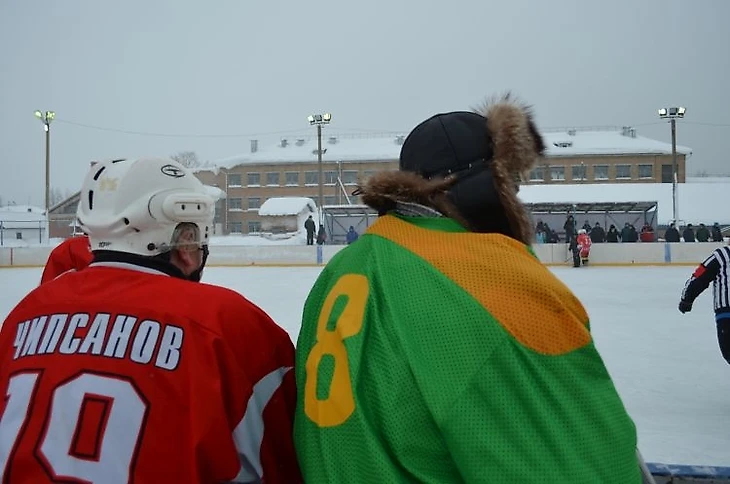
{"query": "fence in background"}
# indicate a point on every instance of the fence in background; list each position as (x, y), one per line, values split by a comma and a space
(551, 254)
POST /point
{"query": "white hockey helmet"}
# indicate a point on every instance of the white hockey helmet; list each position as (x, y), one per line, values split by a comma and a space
(581, 231)
(134, 205)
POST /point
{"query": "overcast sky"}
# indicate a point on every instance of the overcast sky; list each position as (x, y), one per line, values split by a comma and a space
(244, 67)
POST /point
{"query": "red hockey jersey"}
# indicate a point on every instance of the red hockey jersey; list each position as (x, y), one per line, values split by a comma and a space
(120, 373)
(73, 253)
(584, 245)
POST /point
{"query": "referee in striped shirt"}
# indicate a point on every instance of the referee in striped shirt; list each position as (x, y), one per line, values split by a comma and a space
(713, 269)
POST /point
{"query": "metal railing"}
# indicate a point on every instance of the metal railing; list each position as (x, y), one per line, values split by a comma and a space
(22, 227)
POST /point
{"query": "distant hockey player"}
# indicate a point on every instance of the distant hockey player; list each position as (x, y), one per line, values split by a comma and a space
(438, 348)
(584, 246)
(73, 253)
(133, 371)
(714, 269)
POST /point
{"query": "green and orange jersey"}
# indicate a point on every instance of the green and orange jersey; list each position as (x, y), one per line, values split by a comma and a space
(431, 354)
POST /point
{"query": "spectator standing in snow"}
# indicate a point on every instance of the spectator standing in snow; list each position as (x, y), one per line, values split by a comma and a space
(310, 228)
(352, 235)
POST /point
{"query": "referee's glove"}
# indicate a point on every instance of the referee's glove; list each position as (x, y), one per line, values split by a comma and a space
(684, 306)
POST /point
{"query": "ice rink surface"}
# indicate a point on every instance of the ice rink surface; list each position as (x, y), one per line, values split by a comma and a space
(666, 365)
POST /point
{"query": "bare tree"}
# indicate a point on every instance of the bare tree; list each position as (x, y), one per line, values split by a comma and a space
(56, 196)
(59, 195)
(188, 159)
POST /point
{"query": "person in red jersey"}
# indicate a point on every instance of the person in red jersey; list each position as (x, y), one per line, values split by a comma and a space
(131, 370)
(584, 245)
(73, 253)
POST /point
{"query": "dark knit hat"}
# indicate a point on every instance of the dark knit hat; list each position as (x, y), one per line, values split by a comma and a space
(487, 153)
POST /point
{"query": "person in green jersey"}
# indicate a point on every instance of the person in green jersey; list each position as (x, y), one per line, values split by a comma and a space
(437, 348)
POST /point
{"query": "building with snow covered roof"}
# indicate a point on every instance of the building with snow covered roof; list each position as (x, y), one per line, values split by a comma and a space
(22, 224)
(290, 168)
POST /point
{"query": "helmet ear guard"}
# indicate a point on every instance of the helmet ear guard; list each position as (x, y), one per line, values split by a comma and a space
(176, 207)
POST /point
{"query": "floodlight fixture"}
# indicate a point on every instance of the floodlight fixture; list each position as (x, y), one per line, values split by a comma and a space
(672, 112)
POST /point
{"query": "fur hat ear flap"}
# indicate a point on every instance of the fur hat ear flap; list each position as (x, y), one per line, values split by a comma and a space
(517, 146)
(516, 143)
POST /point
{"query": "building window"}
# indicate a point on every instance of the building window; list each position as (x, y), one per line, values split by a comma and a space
(254, 203)
(234, 180)
(646, 171)
(292, 178)
(349, 177)
(254, 179)
(330, 200)
(311, 178)
(367, 174)
(578, 172)
(19, 235)
(235, 204)
(235, 227)
(600, 172)
(537, 174)
(557, 173)
(272, 179)
(219, 209)
(254, 227)
(330, 177)
(623, 172)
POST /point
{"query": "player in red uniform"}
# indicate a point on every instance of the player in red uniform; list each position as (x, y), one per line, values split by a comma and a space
(130, 370)
(584, 246)
(73, 253)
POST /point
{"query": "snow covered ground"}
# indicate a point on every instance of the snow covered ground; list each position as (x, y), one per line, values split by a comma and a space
(666, 365)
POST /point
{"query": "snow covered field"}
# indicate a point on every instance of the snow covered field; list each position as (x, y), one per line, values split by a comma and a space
(667, 366)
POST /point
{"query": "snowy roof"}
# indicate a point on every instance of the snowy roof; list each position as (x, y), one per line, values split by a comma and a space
(605, 143)
(283, 206)
(71, 199)
(697, 202)
(21, 217)
(354, 147)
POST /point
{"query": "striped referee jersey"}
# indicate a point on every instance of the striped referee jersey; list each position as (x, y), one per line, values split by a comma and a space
(713, 269)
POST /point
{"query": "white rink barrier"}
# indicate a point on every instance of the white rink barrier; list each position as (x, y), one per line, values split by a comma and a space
(638, 253)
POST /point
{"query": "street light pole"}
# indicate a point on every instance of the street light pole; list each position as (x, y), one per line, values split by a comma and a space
(319, 120)
(46, 118)
(319, 163)
(673, 123)
(47, 128)
(672, 114)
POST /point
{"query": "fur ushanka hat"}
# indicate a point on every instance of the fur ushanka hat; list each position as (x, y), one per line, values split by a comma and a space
(466, 165)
